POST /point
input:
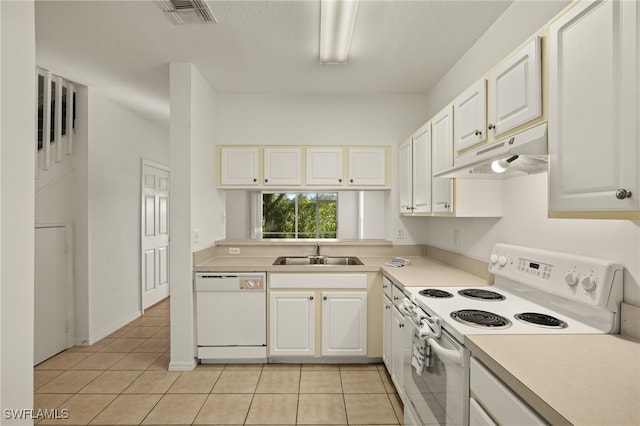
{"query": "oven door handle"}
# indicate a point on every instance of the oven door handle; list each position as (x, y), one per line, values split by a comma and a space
(450, 355)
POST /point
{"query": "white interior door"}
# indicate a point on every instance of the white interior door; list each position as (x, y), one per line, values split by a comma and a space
(51, 300)
(155, 233)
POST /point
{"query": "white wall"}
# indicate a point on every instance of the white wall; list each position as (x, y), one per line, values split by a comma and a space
(207, 202)
(525, 219)
(324, 120)
(195, 203)
(17, 151)
(118, 139)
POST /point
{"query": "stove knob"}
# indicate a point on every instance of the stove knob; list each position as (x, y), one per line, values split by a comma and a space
(589, 283)
(493, 259)
(502, 260)
(571, 278)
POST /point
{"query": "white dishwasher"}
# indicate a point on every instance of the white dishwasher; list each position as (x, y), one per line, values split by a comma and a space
(231, 316)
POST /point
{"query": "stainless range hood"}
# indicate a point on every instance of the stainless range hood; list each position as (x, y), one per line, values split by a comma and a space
(520, 154)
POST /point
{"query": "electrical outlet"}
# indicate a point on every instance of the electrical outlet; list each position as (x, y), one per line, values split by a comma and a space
(234, 250)
(196, 236)
(400, 233)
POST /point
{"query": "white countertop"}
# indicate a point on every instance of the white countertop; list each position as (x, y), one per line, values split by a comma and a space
(422, 272)
(568, 379)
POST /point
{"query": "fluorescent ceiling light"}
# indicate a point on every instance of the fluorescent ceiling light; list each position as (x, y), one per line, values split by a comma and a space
(337, 19)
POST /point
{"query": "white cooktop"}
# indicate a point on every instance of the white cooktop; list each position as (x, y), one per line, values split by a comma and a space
(583, 292)
(508, 308)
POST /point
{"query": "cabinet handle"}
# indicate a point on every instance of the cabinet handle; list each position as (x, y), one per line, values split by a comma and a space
(384, 286)
(387, 307)
(339, 180)
(477, 132)
(400, 325)
(396, 298)
(491, 126)
(255, 180)
(351, 180)
(324, 298)
(266, 180)
(621, 194)
(310, 297)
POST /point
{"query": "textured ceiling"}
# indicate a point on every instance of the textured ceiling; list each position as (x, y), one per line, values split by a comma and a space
(124, 47)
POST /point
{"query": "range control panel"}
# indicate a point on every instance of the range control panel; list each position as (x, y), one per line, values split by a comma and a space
(534, 268)
(580, 278)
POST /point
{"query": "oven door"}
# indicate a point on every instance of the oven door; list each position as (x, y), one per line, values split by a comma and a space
(437, 393)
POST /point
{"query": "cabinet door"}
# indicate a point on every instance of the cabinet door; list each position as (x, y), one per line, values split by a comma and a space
(471, 116)
(291, 323)
(397, 333)
(344, 323)
(442, 157)
(282, 166)
(239, 166)
(367, 166)
(324, 166)
(422, 170)
(406, 179)
(593, 108)
(516, 89)
(386, 332)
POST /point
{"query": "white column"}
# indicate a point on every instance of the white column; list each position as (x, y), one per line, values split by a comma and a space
(17, 199)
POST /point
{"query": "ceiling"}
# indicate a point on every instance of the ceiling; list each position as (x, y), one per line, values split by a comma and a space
(123, 48)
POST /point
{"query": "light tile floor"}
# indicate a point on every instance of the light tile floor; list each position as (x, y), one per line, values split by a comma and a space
(123, 380)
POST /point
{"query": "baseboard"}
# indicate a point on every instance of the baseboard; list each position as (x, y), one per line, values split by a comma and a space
(183, 365)
(97, 337)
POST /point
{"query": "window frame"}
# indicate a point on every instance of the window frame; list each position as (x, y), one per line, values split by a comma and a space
(296, 232)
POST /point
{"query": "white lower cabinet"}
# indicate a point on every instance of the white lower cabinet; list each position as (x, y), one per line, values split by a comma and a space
(393, 333)
(344, 323)
(492, 402)
(292, 323)
(386, 332)
(308, 322)
(397, 362)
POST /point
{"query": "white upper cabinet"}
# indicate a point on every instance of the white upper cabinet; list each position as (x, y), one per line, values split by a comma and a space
(515, 89)
(442, 159)
(406, 177)
(414, 170)
(367, 166)
(593, 110)
(422, 170)
(282, 166)
(471, 116)
(324, 166)
(239, 166)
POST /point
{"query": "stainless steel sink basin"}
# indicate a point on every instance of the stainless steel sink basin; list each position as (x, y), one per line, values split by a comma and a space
(317, 260)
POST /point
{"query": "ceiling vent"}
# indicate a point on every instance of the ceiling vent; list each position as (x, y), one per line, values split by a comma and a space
(187, 11)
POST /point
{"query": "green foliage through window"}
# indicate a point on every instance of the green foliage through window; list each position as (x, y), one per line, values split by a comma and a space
(299, 215)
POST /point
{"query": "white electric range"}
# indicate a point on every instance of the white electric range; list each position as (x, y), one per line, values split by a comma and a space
(535, 292)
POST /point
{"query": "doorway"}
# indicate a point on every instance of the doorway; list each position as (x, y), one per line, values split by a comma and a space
(154, 233)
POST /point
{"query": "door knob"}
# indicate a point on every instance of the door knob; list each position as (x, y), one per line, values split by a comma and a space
(621, 194)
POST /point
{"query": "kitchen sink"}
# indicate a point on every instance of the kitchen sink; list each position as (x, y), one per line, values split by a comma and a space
(317, 260)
